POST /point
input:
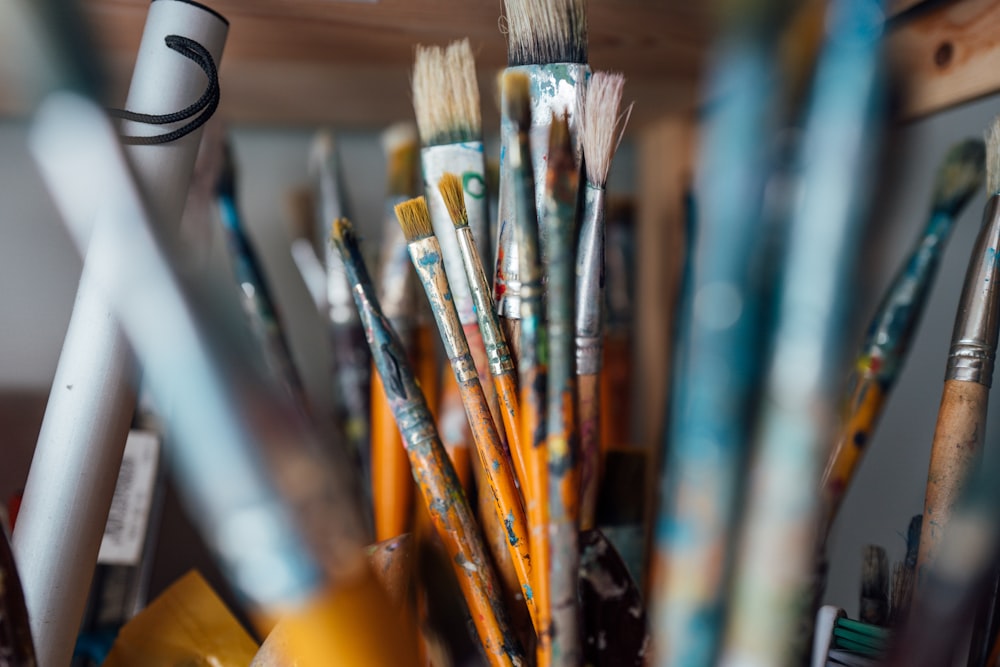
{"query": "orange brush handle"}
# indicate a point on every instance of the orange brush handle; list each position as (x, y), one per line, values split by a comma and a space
(506, 390)
(454, 429)
(392, 481)
(532, 432)
(591, 451)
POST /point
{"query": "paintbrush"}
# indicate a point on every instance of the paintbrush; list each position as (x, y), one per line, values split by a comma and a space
(501, 365)
(873, 606)
(603, 127)
(350, 370)
(449, 120)
(561, 192)
(719, 351)
(257, 300)
(301, 217)
(449, 510)
(533, 360)
(425, 252)
(773, 589)
(887, 342)
(903, 575)
(961, 423)
(547, 41)
(392, 484)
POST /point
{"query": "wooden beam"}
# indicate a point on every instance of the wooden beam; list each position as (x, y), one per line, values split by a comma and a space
(947, 56)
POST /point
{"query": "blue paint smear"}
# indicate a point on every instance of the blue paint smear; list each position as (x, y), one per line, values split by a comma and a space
(508, 523)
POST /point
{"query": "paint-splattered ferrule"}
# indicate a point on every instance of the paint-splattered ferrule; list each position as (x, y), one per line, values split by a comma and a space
(426, 256)
(590, 283)
(974, 341)
(555, 88)
(497, 351)
(467, 161)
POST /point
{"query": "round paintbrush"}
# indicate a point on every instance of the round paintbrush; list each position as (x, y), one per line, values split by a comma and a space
(602, 132)
(961, 424)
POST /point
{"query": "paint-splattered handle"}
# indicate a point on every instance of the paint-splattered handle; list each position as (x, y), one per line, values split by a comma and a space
(392, 481)
(956, 452)
(863, 412)
(505, 387)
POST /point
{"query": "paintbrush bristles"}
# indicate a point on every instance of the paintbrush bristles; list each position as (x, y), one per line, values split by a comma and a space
(340, 229)
(546, 31)
(517, 98)
(446, 94)
(415, 219)
(993, 158)
(960, 176)
(451, 190)
(603, 125)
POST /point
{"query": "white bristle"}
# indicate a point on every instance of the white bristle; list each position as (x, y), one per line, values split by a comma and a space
(321, 150)
(540, 32)
(446, 94)
(993, 158)
(398, 135)
(603, 125)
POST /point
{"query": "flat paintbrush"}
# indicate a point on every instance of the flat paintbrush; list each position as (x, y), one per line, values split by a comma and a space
(602, 132)
(961, 423)
(547, 41)
(885, 347)
(392, 484)
(425, 252)
(533, 361)
(501, 365)
(449, 510)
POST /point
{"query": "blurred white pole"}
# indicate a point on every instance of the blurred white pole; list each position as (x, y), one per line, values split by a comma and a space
(79, 451)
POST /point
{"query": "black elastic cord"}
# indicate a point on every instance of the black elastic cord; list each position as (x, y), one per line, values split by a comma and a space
(205, 106)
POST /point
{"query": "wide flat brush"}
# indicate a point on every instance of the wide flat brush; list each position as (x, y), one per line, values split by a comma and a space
(562, 442)
(773, 586)
(449, 510)
(425, 252)
(501, 365)
(961, 423)
(602, 127)
(547, 41)
(887, 342)
(532, 363)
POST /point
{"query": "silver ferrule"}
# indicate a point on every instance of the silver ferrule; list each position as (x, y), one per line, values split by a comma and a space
(467, 161)
(426, 256)
(497, 352)
(590, 283)
(555, 89)
(396, 289)
(506, 281)
(974, 341)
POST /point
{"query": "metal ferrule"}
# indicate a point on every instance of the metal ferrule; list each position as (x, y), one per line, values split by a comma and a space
(974, 341)
(396, 288)
(497, 352)
(590, 283)
(426, 256)
(338, 291)
(467, 161)
(555, 88)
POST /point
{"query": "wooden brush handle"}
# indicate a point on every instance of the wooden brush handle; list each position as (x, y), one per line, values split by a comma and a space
(958, 442)
(589, 416)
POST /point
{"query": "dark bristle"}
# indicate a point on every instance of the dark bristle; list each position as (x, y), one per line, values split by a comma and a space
(341, 229)
(450, 187)
(960, 176)
(517, 98)
(226, 185)
(415, 219)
